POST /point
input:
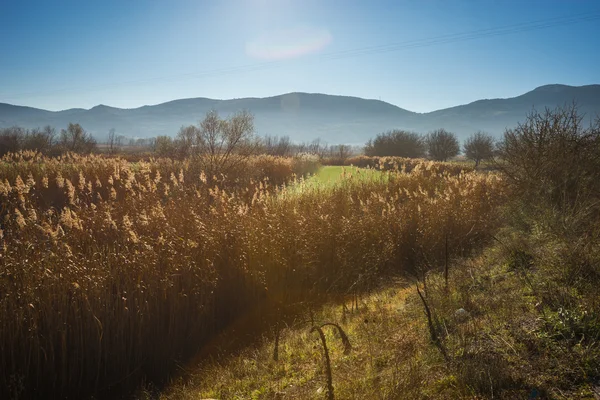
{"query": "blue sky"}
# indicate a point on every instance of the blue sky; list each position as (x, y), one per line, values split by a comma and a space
(65, 54)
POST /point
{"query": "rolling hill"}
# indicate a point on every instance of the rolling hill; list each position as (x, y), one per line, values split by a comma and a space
(306, 116)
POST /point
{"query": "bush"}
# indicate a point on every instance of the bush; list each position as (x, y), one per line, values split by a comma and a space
(479, 147)
(75, 139)
(553, 163)
(442, 145)
(220, 145)
(396, 143)
(10, 140)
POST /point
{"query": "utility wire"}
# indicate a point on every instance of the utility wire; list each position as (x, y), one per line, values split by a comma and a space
(363, 51)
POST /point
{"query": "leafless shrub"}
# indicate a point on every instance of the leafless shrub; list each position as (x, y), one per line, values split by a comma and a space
(479, 147)
(442, 145)
(75, 139)
(553, 163)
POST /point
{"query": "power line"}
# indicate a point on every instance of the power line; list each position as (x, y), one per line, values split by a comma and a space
(458, 37)
(363, 51)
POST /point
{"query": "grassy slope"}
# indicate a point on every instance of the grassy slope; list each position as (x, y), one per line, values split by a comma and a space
(502, 350)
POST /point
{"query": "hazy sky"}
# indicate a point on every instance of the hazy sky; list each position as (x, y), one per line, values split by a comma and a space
(419, 55)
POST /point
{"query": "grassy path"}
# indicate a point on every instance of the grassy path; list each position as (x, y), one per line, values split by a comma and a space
(497, 350)
(335, 174)
(364, 372)
(331, 176)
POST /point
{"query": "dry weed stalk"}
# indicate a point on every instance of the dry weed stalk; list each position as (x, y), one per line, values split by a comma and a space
(347, 349)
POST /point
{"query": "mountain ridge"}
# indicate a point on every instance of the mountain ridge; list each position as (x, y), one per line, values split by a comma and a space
(305, 116)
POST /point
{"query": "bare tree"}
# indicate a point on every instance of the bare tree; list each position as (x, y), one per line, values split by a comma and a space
(442, 145)
(284, 146)
(301, 148)
(318, 148)
(119, 141)
(186, 140)
(479, 147)
(164, 146)
(76, 139)
(16, 138)
(49, 134)
(552, 160)
(277, 146)
(36, 139)
(341, 152)
(10, 139)
(112, 140)
(219, 145)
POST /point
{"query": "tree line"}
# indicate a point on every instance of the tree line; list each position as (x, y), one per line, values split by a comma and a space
(221, 138)
(47, 140)
(215, 134)
(439, 145)
(211, 136)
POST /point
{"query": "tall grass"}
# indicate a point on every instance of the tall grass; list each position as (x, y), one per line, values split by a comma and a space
(386, 163)
(113, 271)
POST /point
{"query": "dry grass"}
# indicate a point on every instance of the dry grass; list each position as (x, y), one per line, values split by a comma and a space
(383, 345)
(392, 163)
(505, 347)
(111, 272)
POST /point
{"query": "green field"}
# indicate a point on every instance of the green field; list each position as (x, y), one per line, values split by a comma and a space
(331, 176)
(335, 174)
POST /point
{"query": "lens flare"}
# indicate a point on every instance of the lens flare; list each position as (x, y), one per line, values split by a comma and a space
(289, 43)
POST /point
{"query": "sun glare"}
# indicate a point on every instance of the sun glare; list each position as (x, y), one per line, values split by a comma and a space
(288, 43)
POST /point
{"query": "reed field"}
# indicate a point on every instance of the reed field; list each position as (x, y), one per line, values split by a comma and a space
(113, 272)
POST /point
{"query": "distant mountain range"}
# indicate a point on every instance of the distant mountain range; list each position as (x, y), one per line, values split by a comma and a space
(307, 116)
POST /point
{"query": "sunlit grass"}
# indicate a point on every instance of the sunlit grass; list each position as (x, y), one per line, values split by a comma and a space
(336, 174)
(503, 348)
(382, 321)
(330, 177)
